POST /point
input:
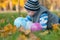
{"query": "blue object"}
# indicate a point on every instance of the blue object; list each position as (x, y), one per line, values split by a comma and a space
(28, 18)
(44, 20)
(28, 25)
(19, 21)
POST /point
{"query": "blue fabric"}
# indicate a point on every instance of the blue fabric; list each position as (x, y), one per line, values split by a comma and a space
(28, 18)
(20, 22)
(24, 22)
(17, 22)
(44, 20)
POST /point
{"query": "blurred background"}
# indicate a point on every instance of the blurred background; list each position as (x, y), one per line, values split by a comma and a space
(16, 5)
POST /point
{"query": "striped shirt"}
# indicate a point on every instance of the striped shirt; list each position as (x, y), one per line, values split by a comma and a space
(44, 20)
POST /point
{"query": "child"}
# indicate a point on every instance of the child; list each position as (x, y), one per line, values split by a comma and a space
(38, 13)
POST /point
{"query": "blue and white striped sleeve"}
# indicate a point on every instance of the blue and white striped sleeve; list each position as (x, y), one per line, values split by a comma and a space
(44, 20)
(28, 18)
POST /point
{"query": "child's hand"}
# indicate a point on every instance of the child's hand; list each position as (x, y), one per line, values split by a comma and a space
(21, 29)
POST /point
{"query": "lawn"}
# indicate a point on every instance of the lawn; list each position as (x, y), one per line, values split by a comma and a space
(6, 18)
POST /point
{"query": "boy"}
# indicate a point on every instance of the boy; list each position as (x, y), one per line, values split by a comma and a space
(40, 14)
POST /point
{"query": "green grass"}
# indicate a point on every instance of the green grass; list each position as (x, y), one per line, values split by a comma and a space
(10, 17)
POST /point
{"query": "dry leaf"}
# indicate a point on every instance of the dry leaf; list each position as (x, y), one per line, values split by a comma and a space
(22, 37)
(55, 27)
(14, 29)
(27, 32)
(21, 29)
(6, 28)
(10, 26)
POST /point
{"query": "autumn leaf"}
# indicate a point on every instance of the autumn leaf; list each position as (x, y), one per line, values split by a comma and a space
(33, 37)
(27, 32)
(22, 37)
(21, 29)
(55, 27)
(14, 29)
(6, 28)
(10, 26)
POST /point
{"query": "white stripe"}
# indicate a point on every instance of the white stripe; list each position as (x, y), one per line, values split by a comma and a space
(44, 17)
(34, 0)
(42, 22)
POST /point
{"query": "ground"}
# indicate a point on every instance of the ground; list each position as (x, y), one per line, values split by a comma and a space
(6, 18)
